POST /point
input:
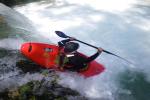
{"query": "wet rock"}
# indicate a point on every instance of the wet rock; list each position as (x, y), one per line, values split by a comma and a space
(28, 92)
(60, 90)
(29, 66)
(4, 95)
(31, 91)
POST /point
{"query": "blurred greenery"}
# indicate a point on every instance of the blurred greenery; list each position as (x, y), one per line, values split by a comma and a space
(16, 2)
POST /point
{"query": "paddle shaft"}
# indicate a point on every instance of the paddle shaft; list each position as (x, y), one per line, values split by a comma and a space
(61, 34)
(91, 45)
(103, 50)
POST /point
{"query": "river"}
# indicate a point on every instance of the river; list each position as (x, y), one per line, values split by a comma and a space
(119, 26)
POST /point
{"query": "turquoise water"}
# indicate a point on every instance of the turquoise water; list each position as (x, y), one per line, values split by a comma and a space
(121, 27)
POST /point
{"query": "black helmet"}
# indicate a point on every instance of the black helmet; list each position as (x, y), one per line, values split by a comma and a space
(70, 47)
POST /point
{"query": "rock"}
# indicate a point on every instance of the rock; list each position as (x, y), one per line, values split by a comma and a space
(4, 95)
(29, 66)
(32, 91)
(26, 92)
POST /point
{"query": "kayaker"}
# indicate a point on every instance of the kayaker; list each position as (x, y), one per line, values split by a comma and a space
(75, 62)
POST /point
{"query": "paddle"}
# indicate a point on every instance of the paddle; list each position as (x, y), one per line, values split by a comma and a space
(61, 34)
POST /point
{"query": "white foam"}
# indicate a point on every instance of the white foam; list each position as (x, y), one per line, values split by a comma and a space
(107, 5)
(109, 24)
(13, 79)
(11, 43)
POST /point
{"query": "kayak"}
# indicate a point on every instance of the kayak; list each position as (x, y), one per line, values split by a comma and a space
(47, 55)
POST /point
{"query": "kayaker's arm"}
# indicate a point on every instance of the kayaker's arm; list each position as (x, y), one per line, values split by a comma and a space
(91, 58)
(63, 42)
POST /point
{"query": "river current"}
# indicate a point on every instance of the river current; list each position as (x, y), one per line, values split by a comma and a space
(119, 26)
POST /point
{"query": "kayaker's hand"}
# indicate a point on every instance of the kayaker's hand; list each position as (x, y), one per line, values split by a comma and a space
(72, 38)
(100, 50)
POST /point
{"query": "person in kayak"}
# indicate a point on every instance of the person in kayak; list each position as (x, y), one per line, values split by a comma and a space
(75, 62)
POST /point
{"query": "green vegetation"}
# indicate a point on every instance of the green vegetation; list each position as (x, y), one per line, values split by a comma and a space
(65, 60)
(46, 55)
(30, 91)
(57, 59)
(54, 77)
(45, 72)
(44, 89)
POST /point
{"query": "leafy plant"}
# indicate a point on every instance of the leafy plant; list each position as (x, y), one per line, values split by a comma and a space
(46, 55)
(48, 66)
(61, 68)
(57, 59)
(55, 79)
(65, 60)
(45, 72)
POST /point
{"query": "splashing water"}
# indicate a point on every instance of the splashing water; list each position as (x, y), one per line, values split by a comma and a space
(121, 27)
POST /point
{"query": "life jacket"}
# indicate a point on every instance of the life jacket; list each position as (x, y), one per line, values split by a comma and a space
(62, 56)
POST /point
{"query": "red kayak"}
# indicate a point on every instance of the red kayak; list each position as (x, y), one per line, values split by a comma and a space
(46, 55)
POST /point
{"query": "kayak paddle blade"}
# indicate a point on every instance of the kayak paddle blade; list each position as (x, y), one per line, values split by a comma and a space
(61, 34)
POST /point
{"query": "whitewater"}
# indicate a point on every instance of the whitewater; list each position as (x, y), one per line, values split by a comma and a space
(119, 26)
